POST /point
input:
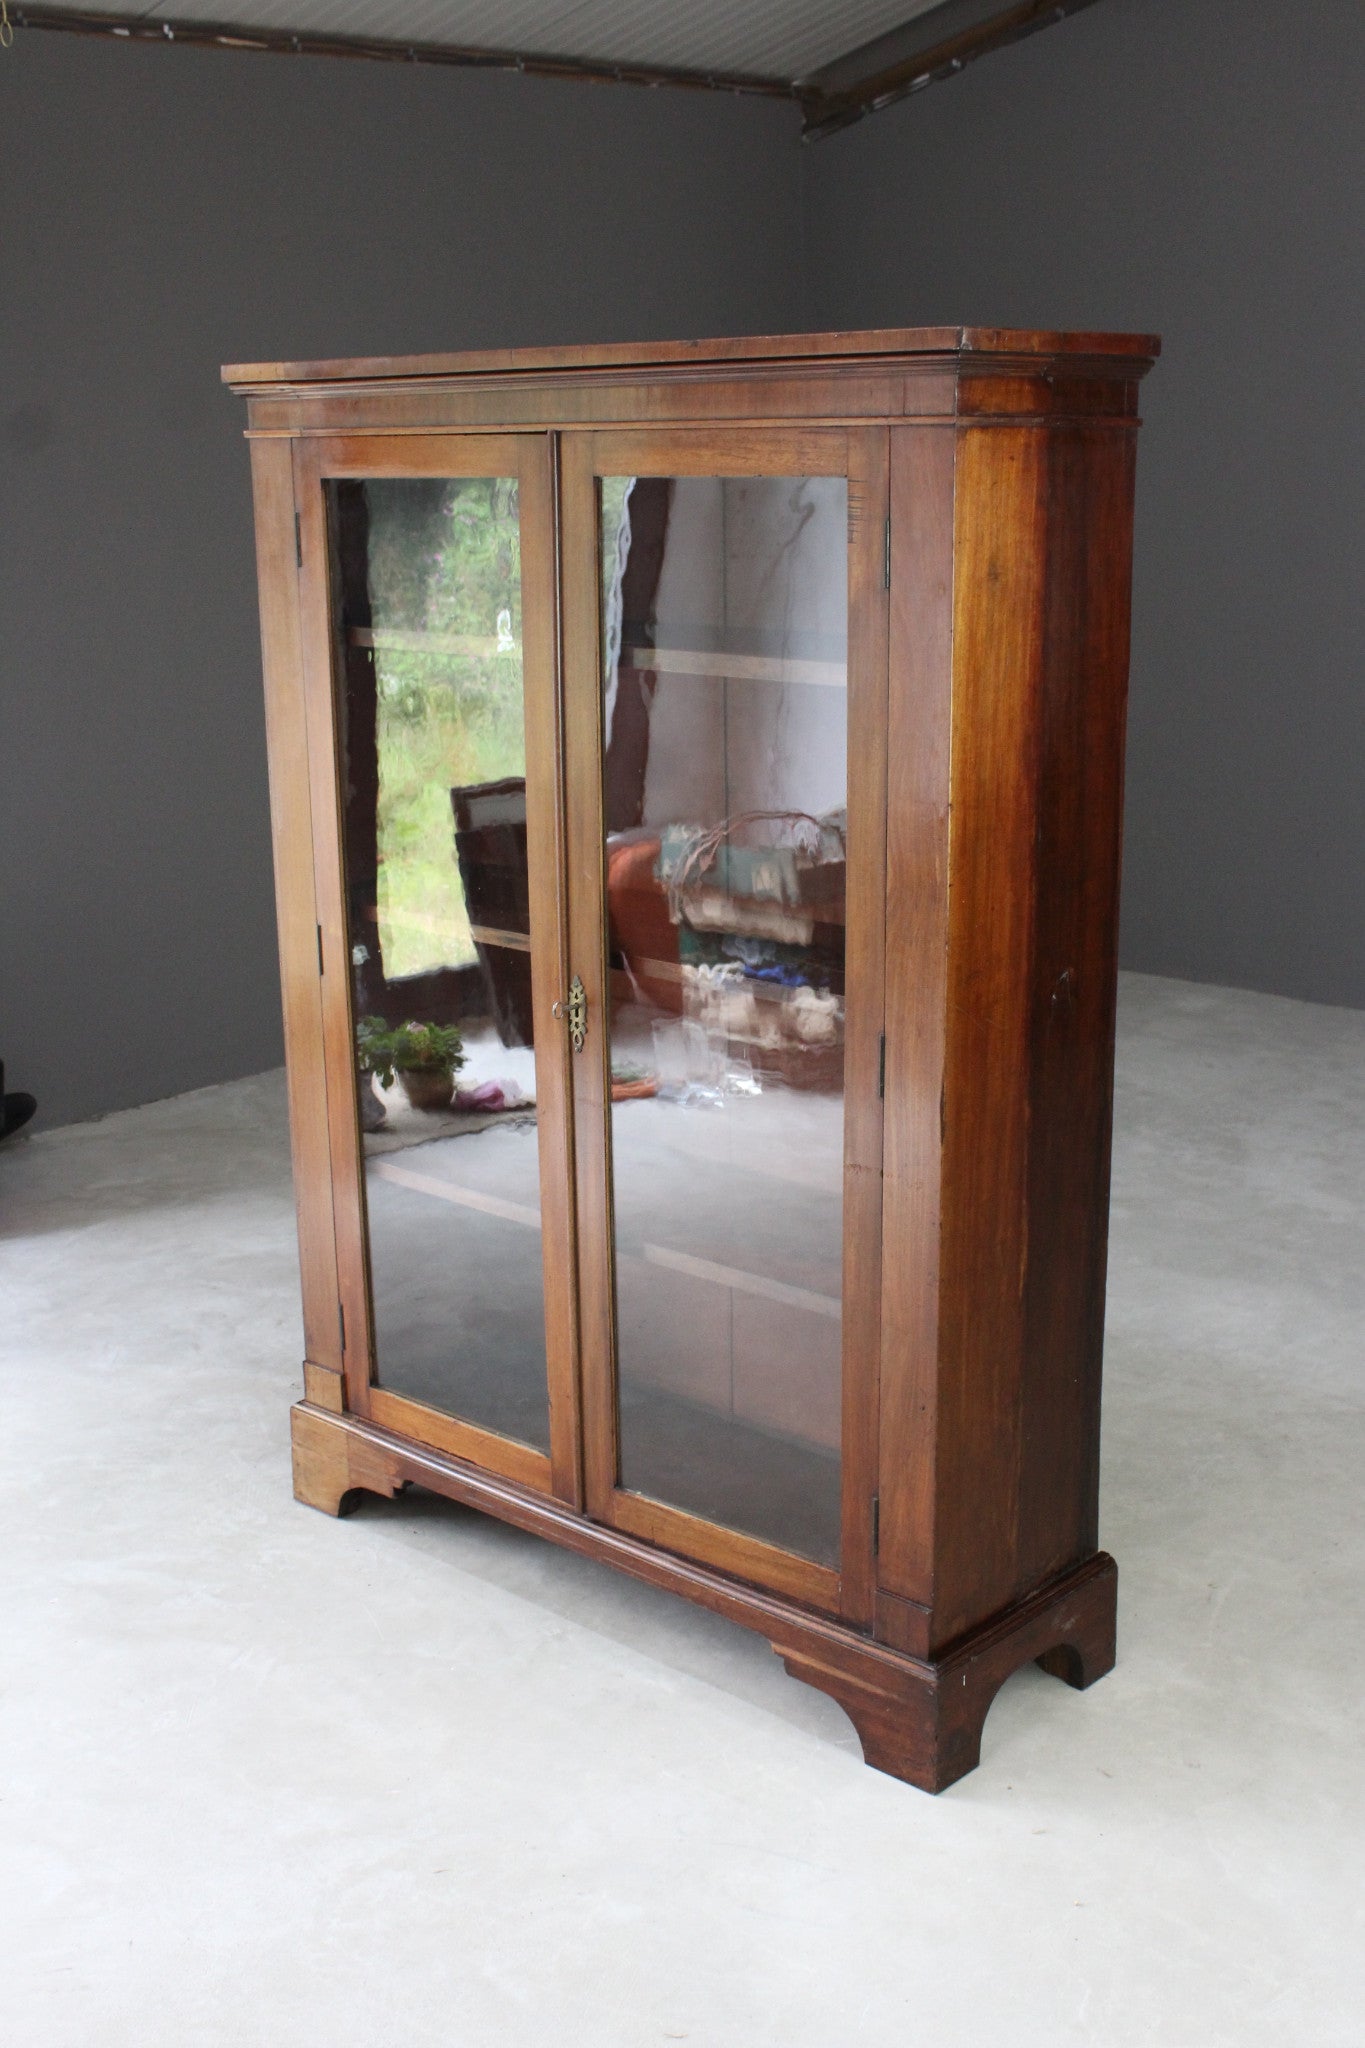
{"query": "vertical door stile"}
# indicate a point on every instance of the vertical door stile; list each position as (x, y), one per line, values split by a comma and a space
(919, 729)
(587, 960)
(549, 952)
(272, 465)
(869, 608)
(354, 1338)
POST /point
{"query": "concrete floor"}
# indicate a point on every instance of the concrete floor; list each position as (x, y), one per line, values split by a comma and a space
(414, 1778)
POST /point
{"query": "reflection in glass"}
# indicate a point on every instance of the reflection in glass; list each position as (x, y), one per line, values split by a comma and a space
(428, 582)
(725, 637)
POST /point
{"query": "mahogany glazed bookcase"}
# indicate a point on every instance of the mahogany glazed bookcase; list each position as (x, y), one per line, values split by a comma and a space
(713, 752)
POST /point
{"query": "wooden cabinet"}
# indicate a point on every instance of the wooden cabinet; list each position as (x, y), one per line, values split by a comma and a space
(721, 745)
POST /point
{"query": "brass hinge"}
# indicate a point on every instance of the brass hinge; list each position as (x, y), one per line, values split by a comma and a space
(574, 1009)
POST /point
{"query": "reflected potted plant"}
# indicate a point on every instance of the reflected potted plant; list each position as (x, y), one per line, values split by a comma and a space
(424, 1057)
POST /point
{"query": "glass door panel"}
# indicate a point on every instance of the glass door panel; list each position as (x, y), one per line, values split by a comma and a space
(724, 706)
(432, 735)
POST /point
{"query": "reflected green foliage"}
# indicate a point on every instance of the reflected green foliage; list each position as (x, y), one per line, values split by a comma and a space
(445, 568)
(612, 493)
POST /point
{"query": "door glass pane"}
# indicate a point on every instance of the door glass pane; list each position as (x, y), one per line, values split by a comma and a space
(428, 601)
(725, 634)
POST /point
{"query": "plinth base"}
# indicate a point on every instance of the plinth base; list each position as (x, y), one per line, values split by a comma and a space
(917, 1719)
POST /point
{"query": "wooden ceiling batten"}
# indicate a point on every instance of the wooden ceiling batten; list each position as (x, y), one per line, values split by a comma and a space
(310, 43)
(933, 44)
(928, 50)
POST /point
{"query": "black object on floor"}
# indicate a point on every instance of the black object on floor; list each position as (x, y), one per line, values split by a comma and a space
(15, 1110)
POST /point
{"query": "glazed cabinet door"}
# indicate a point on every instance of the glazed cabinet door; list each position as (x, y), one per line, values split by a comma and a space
(725, 664)
(428, 620)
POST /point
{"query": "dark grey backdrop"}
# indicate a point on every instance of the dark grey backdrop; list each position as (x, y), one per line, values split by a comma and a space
(1197, 167)
(1182, 164)
(168, 210)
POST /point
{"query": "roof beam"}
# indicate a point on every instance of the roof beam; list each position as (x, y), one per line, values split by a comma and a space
(144, 28)
(933, 46)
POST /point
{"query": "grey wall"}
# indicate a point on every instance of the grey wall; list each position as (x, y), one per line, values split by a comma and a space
(1189, 165)
(167, 210)
(1196, 167)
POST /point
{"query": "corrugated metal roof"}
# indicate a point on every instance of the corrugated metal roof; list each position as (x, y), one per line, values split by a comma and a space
(780, 39)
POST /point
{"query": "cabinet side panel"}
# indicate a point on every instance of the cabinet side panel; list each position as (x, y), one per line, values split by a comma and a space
(292, 833)
(921, 628)
(998, 632)
(1080, 788)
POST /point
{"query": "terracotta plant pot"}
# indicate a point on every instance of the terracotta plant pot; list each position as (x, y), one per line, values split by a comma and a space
(427, 1087)
(638, 1090)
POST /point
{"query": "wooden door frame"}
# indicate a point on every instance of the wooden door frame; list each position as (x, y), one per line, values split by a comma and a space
(291, 822)
(861, 454)
(530, 457)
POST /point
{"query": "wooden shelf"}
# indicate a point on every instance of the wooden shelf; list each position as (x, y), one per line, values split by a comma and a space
(736, 668)
(490, 935)
(400, 640)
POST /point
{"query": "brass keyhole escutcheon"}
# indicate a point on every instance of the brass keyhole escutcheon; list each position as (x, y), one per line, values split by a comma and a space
(574, 1008)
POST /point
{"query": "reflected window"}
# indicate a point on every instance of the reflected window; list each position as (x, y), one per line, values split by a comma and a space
(432, 729)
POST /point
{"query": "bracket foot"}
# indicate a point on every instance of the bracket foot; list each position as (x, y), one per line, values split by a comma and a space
(921, 1720)
(332, 1467)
